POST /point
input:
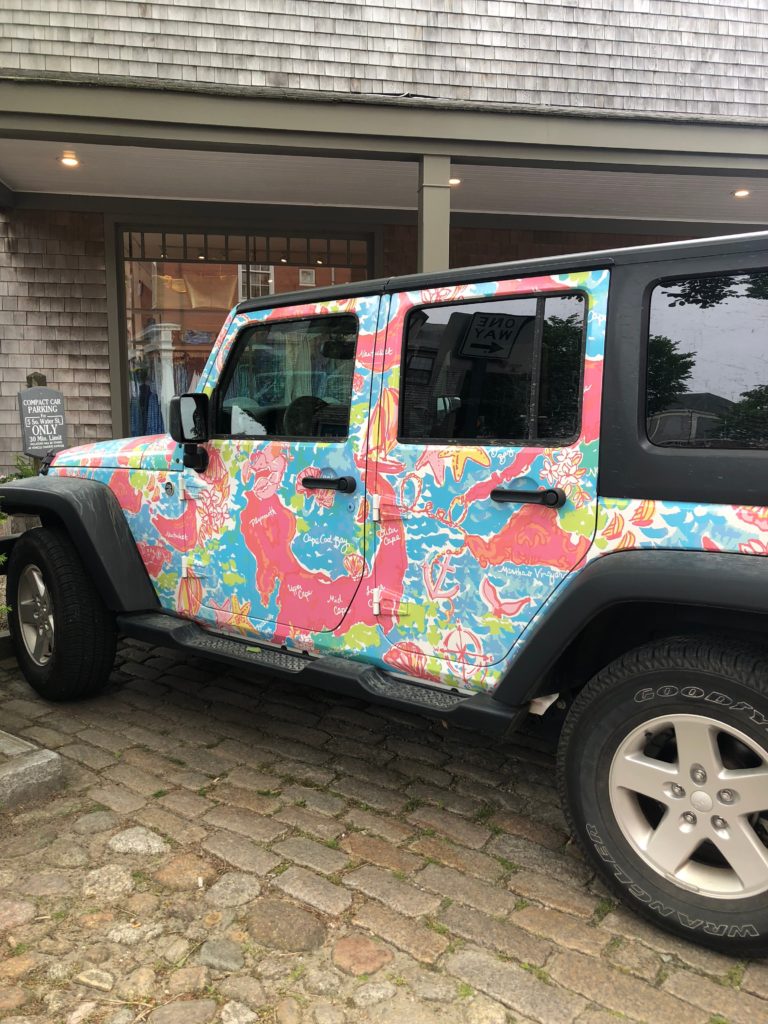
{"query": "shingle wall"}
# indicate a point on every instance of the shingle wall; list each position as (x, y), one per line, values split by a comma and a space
(53, 318)
(638, 56)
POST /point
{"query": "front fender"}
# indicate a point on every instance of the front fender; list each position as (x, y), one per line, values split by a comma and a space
(90, 513)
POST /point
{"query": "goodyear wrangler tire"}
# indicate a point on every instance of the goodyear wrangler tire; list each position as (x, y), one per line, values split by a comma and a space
(64, 635)
(663, 771)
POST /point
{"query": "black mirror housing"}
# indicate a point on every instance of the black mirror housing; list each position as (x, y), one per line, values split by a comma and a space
(188, 418)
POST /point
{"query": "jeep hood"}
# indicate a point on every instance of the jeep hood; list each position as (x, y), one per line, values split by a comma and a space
(157, 451)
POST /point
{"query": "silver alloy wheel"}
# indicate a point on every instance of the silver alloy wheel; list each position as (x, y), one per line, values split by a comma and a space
(35, 615)
(674, 812)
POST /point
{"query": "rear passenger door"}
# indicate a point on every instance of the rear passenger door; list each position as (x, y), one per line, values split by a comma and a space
(490, 397)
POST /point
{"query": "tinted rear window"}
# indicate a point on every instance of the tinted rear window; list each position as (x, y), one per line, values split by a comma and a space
(707, 377)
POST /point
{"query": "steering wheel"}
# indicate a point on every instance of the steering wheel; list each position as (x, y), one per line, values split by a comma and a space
(299, 416)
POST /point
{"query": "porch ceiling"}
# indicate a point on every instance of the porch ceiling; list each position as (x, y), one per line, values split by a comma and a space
(32, 166)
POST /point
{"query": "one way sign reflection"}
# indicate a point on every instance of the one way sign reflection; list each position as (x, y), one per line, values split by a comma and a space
(491, 336)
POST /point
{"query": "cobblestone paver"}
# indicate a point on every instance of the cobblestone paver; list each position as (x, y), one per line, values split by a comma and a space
(242, 850)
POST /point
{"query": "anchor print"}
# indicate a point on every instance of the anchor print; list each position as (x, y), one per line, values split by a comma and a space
(436, 584)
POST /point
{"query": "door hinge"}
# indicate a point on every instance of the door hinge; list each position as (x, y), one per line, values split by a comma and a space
(382, 511)
(384, 602)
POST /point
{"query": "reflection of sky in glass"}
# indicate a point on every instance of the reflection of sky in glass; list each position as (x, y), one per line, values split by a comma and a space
(557, 305)
(729, 340)
(517, 307)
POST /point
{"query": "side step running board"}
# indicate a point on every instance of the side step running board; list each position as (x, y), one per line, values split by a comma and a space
(339, 675)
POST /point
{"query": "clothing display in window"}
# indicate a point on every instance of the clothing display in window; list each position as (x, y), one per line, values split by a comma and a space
(144, 405)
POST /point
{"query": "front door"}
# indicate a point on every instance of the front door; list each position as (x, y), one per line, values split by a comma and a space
(279, 524)
(492, 393)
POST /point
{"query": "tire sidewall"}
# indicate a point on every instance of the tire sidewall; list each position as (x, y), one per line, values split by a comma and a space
(27, 553)
(585, 770)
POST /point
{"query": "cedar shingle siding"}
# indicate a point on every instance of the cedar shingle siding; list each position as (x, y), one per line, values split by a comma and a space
(53, 318)
(658, 57)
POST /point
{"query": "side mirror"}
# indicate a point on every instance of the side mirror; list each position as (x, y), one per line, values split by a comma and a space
(188, 419)
(188, 425)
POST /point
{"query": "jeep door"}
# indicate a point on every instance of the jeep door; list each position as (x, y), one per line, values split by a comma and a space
(489, 409)
(280, 532)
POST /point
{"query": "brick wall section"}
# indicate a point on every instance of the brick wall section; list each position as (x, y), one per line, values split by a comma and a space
(473, 246)
(633, 56)
(53, 318)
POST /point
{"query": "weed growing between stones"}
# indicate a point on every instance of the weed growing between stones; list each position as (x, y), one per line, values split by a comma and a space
(603, 908)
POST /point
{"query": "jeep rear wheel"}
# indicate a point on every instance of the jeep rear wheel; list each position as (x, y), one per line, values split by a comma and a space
(64, 635)
(663, 768)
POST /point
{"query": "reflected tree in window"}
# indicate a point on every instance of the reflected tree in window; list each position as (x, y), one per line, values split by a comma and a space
(713, 395)
(560, 376)
(706, 292)
(669, 371)
(746, 423)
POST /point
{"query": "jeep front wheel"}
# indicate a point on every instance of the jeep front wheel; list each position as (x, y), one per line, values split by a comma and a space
(64, 635)
(663, 769)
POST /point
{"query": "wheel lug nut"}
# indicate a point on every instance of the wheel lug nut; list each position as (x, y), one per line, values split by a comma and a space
(719, 823)
(689, 818)
(726, 796)
(698, 775)
(677, 790)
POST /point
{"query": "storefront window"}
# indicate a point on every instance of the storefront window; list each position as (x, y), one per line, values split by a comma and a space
(180, 286)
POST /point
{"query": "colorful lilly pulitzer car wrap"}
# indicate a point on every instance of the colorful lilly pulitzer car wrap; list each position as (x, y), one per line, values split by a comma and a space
(417, 571)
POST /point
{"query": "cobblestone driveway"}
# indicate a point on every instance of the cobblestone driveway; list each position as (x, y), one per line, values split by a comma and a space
(248, 850)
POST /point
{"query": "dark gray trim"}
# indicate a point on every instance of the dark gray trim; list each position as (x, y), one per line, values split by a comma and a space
(344, 219)
(7, 196)
(91, 515)
(118, 357)
(280, 123)
(434, 213)
(691, 578)
(407, 100)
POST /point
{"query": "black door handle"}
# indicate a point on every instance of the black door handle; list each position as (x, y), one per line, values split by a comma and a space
(347, 484)
(552, 497)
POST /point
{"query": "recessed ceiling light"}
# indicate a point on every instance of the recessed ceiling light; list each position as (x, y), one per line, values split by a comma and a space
(740, 193)
(69, 158)
(454, 181)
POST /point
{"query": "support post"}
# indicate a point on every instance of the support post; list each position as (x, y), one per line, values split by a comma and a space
(434, 212)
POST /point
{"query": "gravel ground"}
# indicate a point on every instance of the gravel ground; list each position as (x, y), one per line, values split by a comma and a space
(248, 851)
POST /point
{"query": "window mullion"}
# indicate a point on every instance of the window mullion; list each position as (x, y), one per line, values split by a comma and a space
(533, 405)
